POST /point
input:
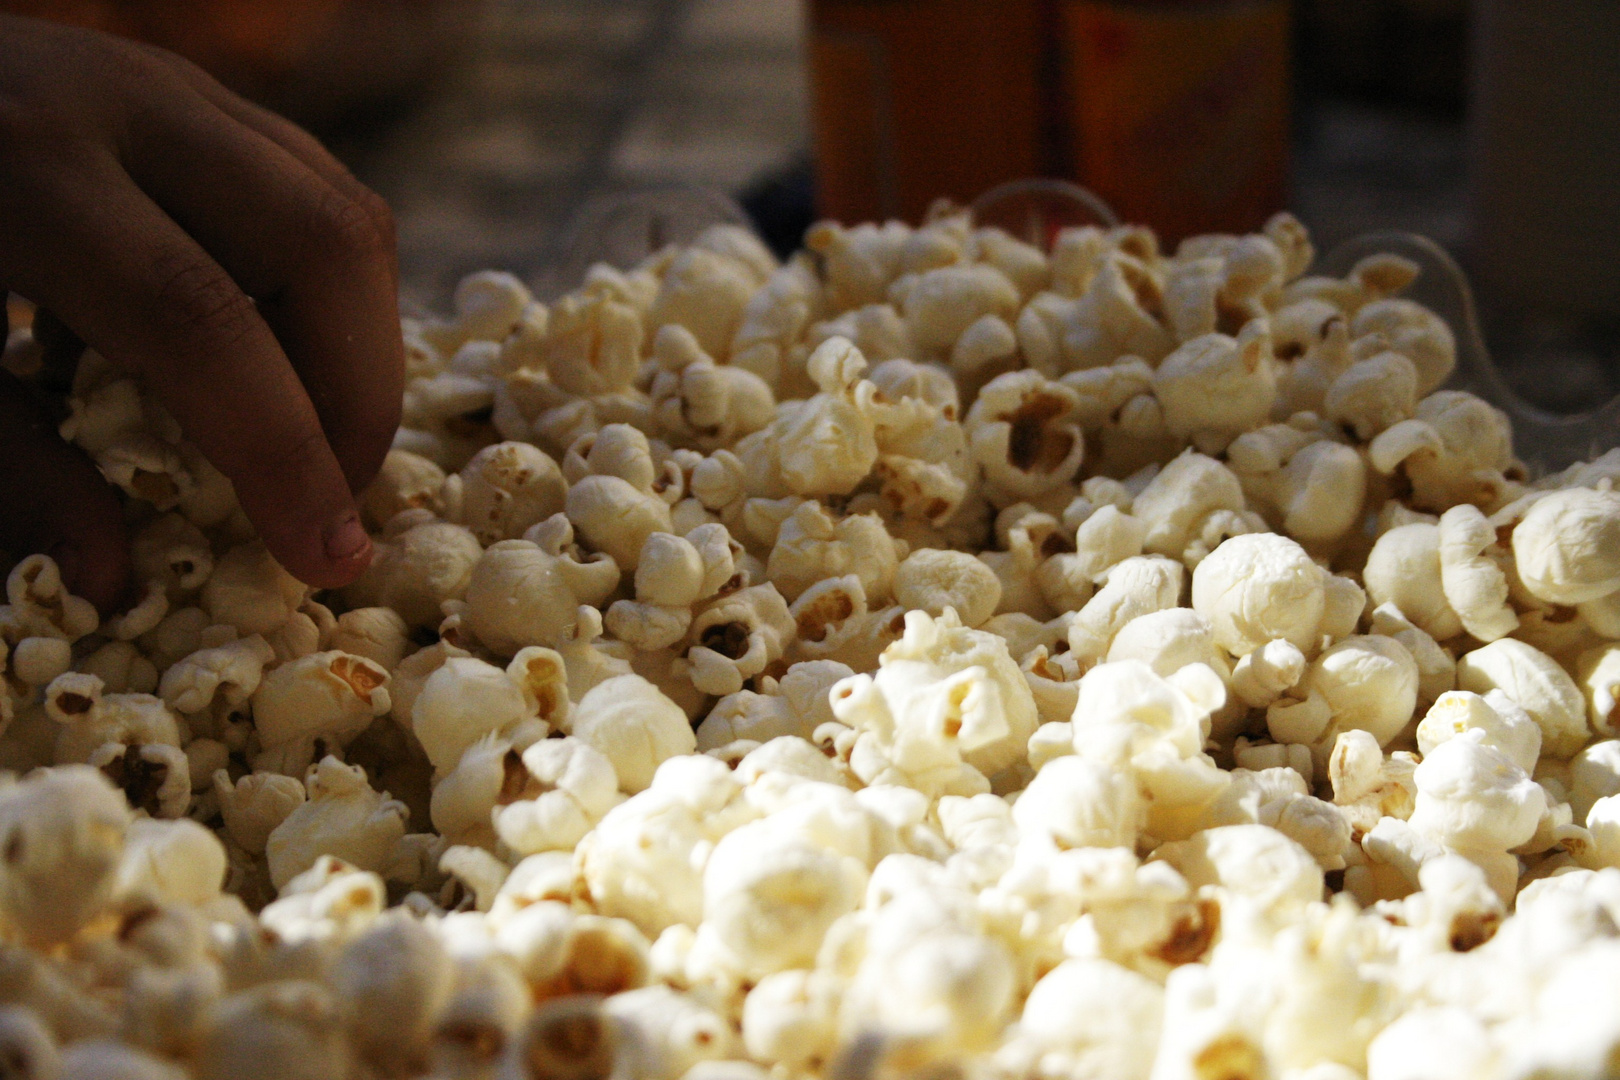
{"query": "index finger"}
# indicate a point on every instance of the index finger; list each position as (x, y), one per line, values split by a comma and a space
(147, 296)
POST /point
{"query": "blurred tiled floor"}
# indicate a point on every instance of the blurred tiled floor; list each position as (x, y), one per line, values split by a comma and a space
(562, 101)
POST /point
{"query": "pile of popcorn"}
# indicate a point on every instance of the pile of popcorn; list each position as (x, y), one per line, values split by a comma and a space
(932, 656)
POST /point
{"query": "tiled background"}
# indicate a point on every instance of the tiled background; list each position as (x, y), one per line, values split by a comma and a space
(561, 102)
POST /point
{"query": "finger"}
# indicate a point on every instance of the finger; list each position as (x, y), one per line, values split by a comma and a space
(140, 291)
(57, 503)
(312, 255)
(288, 135)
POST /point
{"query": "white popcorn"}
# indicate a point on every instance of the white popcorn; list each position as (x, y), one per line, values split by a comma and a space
(1373, 394)
(797, 707)
(1112, 317)
(1598, 674)
(591, 344)
(62, 832)
(343, 817)
(1138, 586)
(1413, 331)
(105, 1059)
(1457, 448)
(1215, 387)
(903, 840)
(567, 788)
(255, 804)
(1075, 803)
(1254, 862)
(286, 1028)
(250, 591)
(1259, 588)
(463, 701)
(1534, 682)
(811, 546)
(1180, 497)
(178, 862)
(376, 633)
(1403, 569)
(944, 697)
(1090, 1017)
(1265, 674)
(1474, 585)
(420, 563)
(38, 660)
(89, 719)
(769, 899)
(1474, 800)
(674, 1030)
(736, 636)
(1566, 548)
(633, 725)
(1367, 683)
(1024, 435)
(522, 592)
(406, 481)
(643, 861)
(155, 778)
(503, 490)
(1507, 727)
(324, 698)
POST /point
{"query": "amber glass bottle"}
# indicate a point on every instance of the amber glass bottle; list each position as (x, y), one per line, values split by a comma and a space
(1179, 109)
(917, 99)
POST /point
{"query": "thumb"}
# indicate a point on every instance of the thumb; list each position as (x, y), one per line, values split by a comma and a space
(53, 500)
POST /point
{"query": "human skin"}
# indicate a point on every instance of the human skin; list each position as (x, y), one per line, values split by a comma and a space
(222, 256)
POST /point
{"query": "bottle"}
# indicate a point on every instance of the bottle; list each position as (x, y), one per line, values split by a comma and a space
(913, 100)
(1179, 109)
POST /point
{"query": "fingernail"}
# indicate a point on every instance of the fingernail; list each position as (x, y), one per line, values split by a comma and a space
(346, 538)
(70, 564)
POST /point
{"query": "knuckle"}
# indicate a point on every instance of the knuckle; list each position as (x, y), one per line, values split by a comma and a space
(201, 305)
(301, 458)
(344, 229)
(381, 214)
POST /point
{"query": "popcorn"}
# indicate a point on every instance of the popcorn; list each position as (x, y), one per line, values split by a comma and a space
(736, 636)
(1090, 1017)
(170, 862)
(250, 591)
(64, 832)
(464, 700)
(320, 700)
(1023, 434)
(419, 564)
(1259, 588)
(1533, 681)
(568, 787)
(528, 592)
(343, 817)
(406, 481)
(796, 662)
(253, 805)
(947, 702)
(1180, 498)
(503, 490)
(1367, 683)
(1565, 547)
(1214, 388)
(628, 721)
(1474, 800)
(768, 900)
(1475, 586)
